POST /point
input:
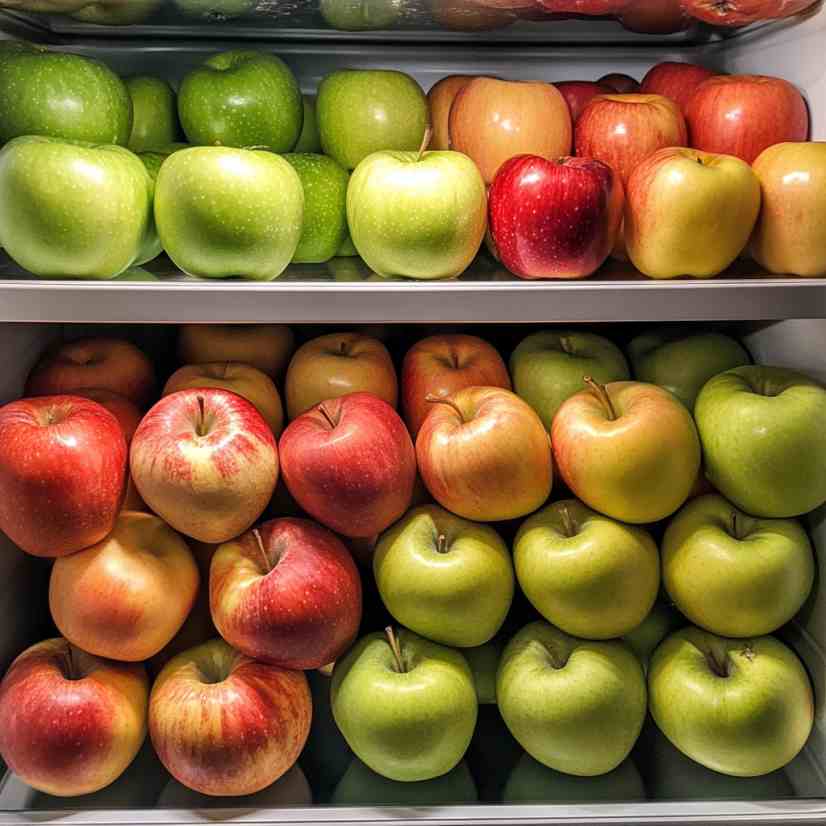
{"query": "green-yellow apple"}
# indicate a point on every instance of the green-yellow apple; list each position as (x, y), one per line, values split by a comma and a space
(364, 111)
(406, 706)
(574, 705)
(325, 207)
(309, 140)
(711, 202)
(789, 238)
(549, 367)
(360, 15)
(762, 446)
(62, 96)
(733, 574)
(214, 11)
(587, 574)
(740, 707)
(660, 622)
(627, 449)
(73, 210)
(444, 577)
(242, 98)
(116, 12)
(151, 247)
(222, 212)
(531, 782)
(155, 120)
(484, 663)
(682, 361)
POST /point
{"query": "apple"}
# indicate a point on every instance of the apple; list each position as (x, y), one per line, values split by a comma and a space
(116, 12)
(406, 706)
(493, 120)
(127, 596)
(70, 723)
(760, 447)
(627, 449)
(336, 365)
(102, 363)
(682, 361)
(555, 219)
(325, 207)
(674, 80)
(588, 575)
(197, 629)
(484, 663)
(739, 707)
(242, 98)
(712, 203)
(655, 17)
(347, 249)
(151, 247)
(210, 702)
(484, 454)
(364, 111)
(584, 7)
(574, 705)
(206, 462)
(155, 122)
(309, 141)
(214, 11)
(621, 84)
(443, 577)
(548, 367)
(743, 12)
(64, 96)
(623, 130)
(470, 16)
(265, 346)
(223, 212)
(442, 364)
(787, 239)
(440, 100)
(360, 15)
(124, 410)
(742, 115)
(287, 593)
(248, 382)
(660, 622)
(349, 463)
(732, 574)
(579, 93)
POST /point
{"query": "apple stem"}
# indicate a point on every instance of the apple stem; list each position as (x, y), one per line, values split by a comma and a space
(441, 544)
(602, 395)
(430, 398)
(393, 642)
(428, 136)
(260, 543)
(719, 667)
(200, 427)
(566, 521)
(327, 415)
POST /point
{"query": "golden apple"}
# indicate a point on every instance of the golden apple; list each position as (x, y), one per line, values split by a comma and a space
(440, 99)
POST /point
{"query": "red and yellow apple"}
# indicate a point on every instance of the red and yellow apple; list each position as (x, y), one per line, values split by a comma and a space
(440, 100)
(655, 17)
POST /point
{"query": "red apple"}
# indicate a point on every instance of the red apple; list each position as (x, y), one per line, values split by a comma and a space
(485, 455)
(125, 411)
(440, 99)
(743, 12)
(555, 219)
(623, 130)
(620, 83)
(655, 17)
(677, 81)
(206, 462)
(470, 16)
(287, 593)
(224, 724)
(588, 7)
(579, 93)
(62, 473)
(70, 723)
(441, 365)
(104, 363)
(350, 464)
(742, 115)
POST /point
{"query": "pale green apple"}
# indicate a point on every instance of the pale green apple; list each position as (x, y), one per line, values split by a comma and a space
(365, 111)
(325, 207)
(309, 139)
(360, 15)
(73, 210)
(734, 574)
(417, 215)
(587, 574)
(682, 361)
(155, 121)
(222, 212)
(215, 11)
(116, 12)
(660, 622)
(740, 707)
(574, 705)
(242, 98)
(407, 713)
(548, 367)
(484, 663)
(764, 445)
(444, 577)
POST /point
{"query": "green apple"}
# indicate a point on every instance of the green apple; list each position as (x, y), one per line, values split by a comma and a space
(734, 574)
(215, 11)
(360, 15)
(587, 574)
(683, 362)
(361, 786)
(325, 207)
(548, 367)
(222, 212)
(62, 96)
(116, 12)
(364, 111)
(151, 247)
(444, 577)
(155, 121)
(309, 139)
(484, 663)
(740, 707)
(531, 782)
(660, 622)
(492, 754)
(763, 447)
(574, 705)
(347, 248)
(406, 706)
(242, 98)
(418, 215)
(71, 209)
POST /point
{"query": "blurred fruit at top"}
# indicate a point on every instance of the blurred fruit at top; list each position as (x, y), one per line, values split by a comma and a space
(470, 15)
(742, 12)
(360, 15)
(214, 11)
(155, 120)
(655, 17)
(116, 12)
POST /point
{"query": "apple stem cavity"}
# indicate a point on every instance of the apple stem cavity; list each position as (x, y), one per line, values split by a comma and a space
(717, 666)
(428, 136)
(602, 394)
(327, 415)
(441, 544)
(260, 543)
(430, 398)
(393, 642)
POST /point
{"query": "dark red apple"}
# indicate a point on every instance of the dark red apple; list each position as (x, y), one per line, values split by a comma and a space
(655, 17)
(579, 93)
(677, 81)
(620, 83)
(743, 12)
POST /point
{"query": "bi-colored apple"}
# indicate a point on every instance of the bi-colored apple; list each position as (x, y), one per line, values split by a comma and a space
(675, 80)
